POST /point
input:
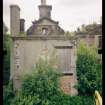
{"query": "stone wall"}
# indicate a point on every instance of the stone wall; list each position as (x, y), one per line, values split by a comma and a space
(15, 20)
(26, 53)
(67, 83)
(90, 40)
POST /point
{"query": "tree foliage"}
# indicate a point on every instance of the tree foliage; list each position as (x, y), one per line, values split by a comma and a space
(89, 70)
(39, 87)
(90, 29)
(42, 88)
(8, 93)
(5, 29)
(6, 58)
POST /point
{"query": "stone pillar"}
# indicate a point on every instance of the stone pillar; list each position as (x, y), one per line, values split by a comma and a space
(45, 11)
(43, 2)
(14, 20)
(22, 27)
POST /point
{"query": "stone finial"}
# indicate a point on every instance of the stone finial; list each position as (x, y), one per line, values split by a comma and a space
(43, 2)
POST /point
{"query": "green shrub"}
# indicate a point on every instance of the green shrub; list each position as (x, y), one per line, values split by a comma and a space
(41, 88)
(42, 82)
(21, 99)
(74, 100)
(89, 71)
(8, 94)
(6, 59)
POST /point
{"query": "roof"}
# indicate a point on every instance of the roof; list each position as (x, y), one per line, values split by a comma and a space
(30, 30)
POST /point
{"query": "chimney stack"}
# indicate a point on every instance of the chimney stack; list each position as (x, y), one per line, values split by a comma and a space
(14, 20)
(22, 26)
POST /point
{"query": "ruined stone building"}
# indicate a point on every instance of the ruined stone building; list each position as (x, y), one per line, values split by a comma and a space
(92, 40)
(44, 33)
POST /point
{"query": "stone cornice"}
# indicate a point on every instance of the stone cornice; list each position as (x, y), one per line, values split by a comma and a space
(40, 37)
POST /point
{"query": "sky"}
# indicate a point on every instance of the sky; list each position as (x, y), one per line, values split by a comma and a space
(70, 13)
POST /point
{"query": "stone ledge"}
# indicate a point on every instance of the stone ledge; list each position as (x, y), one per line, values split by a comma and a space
(39, 37)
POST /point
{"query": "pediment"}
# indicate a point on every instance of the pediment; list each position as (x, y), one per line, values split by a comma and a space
(45, 23)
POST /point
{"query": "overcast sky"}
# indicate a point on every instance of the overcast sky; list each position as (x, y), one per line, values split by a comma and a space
(69, 13)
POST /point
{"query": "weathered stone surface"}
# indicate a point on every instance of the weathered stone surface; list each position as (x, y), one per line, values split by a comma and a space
(89, 40)
(45, 22)
(66, 84)
(43, 2)
(26, 53)
(26, 50)
(40, 37)
(50, 25)
(45, 11)
(15, 20)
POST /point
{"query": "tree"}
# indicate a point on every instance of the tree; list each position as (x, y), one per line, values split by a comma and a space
(89, 71)
(91, 29)
(8, 93)
(6, 56)
(5, 29)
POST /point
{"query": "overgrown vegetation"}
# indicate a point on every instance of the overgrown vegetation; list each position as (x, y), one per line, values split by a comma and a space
(8, 93)
(89, 70)
(42, 88)
(6, 58)
(39, 87)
